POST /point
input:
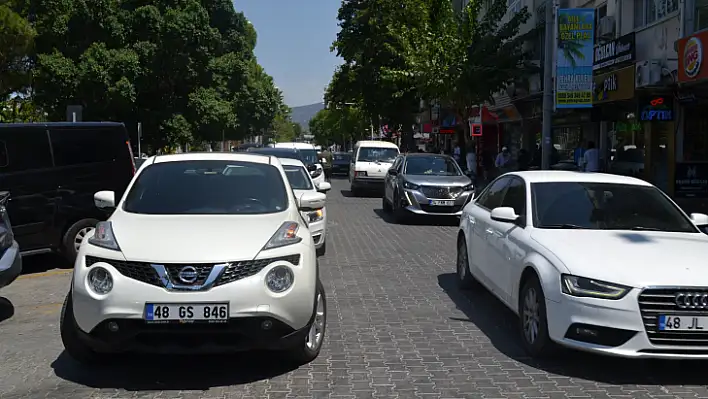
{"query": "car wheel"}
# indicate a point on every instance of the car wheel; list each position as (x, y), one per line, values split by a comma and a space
(73, 344)
(465, 280)
(399, 214)
(322, 250)
(533, 321)
(310, 347)
(385, 205)
(74, 236)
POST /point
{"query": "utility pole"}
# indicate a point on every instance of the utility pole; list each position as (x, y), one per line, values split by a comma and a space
(140, 138)
(547, 132)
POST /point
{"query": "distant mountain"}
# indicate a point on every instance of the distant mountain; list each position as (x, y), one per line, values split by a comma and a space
(304, 113)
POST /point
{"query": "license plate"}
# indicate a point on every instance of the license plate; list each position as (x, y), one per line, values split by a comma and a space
(187, 312)
(442, 203)
(682, 323)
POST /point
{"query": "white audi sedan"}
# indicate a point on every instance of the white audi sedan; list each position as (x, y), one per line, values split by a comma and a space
(591, 261)
(194, 259)
(301, 182)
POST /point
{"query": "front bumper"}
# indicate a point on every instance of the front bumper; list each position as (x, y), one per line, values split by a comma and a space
(609, 327)
(250, 302)
(10, 265)
(319, 231)
(416, 202)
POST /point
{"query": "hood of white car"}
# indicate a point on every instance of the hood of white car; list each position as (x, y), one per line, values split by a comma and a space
(633, 258)
(193, 238)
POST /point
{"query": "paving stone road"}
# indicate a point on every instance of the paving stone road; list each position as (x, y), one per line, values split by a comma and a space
(397, 328)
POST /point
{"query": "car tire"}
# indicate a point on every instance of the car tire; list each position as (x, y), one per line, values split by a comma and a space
(305, 353)
(73, 345)
(73, 237)
(385, 205)
(532, 312)
(465, 280)
(399, 215)
(321, 250)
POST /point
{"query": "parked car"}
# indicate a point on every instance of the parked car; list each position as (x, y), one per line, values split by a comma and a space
(52, 171)
(426, 184)
(340, 163)
(597, 262)
(286, 152)
(301, 182)
(309, 158)
(193, 259)
(370, 163)
(10, 259)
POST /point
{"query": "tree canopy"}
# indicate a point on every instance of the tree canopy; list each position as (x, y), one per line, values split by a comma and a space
(184, 68)
(339, 125)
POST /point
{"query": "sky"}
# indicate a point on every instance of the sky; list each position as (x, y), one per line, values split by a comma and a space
(294, 37)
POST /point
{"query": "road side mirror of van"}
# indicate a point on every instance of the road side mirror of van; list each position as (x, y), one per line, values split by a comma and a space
(310, 201)
(392, 172)
(105, 199)
(324, 187)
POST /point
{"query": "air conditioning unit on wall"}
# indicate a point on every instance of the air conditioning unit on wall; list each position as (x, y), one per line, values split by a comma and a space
(647, 73)
(607, 27)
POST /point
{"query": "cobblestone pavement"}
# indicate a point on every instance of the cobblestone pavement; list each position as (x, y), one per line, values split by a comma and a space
(397, 327)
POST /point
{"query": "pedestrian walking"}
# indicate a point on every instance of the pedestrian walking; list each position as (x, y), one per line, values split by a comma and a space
(591, 159)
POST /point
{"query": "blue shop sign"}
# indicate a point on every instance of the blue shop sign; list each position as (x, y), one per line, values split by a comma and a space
(656, 109)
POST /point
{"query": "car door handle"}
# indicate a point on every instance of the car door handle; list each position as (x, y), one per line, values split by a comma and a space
(489, 231)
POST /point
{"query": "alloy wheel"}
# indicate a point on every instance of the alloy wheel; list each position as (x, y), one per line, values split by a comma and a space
(531, 315)
(316, 333)
(80, 235)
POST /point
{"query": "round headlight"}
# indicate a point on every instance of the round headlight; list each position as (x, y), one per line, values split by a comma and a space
(279, 278)
(100, 280)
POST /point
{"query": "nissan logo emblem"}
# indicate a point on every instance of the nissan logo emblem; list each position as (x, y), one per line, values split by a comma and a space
(692, 300)
(188, 274)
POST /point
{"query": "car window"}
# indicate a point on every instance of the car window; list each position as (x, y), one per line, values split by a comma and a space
(278, 153)
(24, 149)
(298, 177)
(492, 197)
(203, 187)
(515, 196)
(431, 166)
(79, 146)
(605, 206)
(397, 163)
(309, 156)
(372, 154)
(342, 157)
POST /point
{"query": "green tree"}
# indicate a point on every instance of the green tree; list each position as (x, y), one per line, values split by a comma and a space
(20, 110)
(185, 69)
(339, 126)
(16, 39)
(461, 59)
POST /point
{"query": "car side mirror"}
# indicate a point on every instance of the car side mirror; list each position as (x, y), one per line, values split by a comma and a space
(323, 187)
(699, 219)
(105, 200)
(504, 214)
(392, 172)
(310, 201)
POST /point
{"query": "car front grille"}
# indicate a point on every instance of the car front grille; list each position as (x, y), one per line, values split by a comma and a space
(654, 302)
(236, 270)
(440, 209)
(441, 192)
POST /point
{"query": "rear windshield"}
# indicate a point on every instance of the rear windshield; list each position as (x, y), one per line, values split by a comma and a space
(278, 153)
(372, 154)
(212, 187)
(342, 157)
(309, 157)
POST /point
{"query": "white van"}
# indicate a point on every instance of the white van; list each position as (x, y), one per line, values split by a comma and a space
(310, 159)
(370, 164)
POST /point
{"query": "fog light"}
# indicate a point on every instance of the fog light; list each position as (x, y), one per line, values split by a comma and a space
(586, 332)
(100, 280)
(112, 326)
(266, 325)
(279, 278)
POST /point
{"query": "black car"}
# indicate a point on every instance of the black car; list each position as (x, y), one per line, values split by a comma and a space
(10, 259)
(291, 153)
(340, 163)
(52, 171)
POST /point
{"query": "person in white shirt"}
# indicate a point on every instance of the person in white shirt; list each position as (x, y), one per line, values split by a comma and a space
(591, 158)
(471, 159)
(457, 152)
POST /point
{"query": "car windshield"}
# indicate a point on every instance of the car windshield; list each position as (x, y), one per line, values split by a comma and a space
(278, 153)
(298, 177)
(432, 166)
(372, 154)
(207, 187)
(605, 206)
(309, 157)
(342, 157)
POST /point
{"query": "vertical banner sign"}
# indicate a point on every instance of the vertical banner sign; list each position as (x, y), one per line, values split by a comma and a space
(574, 57)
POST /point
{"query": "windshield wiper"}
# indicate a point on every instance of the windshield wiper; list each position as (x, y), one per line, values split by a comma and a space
(561, 226)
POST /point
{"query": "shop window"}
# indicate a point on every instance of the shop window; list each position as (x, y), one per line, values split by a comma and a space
(565, 140)
(649, 11)
(701, 15)
(695, 137)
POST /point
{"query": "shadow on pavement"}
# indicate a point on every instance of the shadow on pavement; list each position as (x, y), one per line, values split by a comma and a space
(144, 373)
(500, 325)
(362, 194)
(41, 263)
(419, 220)
(7, 309)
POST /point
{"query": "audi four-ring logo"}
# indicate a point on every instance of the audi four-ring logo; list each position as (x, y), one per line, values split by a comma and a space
(692, 300)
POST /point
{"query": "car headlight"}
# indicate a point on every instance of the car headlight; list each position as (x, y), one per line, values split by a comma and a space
(316, 216)
(410, 186)
(100, 280)
(316, 173)
(285, 235)
(469, 187)
(586, 287)
(103, 236)
(279, 279)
